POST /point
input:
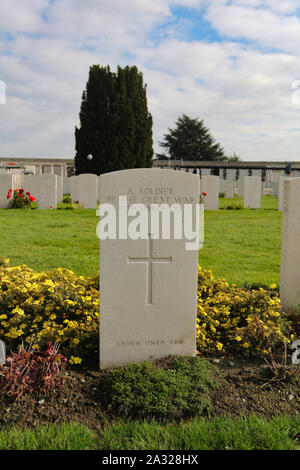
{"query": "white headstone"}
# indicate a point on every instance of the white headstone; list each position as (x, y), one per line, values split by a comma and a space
(148, 286)
(18, 181)
(230, 174)
(290, 247)
(252, 192)
(74, 188)
(87, 190)
(240, 187)
(280, 191)
(227, 187)
(6, 183)
(205, 172)
(210, 185)
(43, 188)
(66, 186)
(240, 182)
(60, 181)
(275, 188)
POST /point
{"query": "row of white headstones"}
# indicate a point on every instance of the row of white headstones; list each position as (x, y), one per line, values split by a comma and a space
(85, 188)
(49, 189)
(149, 286)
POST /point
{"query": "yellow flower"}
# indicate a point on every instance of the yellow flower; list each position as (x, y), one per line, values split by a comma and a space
(272, 286)
(219, 346)
(75, 360)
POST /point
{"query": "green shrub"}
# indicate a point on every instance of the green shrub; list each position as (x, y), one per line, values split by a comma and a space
(234, 206)
(148, 390)
(69, 206)
(67, 199)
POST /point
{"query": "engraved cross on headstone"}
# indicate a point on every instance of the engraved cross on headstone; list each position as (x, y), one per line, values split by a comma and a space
(150, 260)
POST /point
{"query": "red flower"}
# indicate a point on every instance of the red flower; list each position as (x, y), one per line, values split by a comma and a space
(21, 195)
(32, 198)
(21, 191)
(10, 191)
(8, 196)
(204, 194)
(28, 193)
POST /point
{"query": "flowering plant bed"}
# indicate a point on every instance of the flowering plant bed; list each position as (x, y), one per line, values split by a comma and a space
(60, 306)
(18, 199)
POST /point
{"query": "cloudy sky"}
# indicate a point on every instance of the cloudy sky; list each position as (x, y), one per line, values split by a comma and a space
(235, 64)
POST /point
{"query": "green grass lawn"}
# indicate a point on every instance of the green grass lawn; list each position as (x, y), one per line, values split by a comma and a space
(240, 245)
(199, 434)
(243, 246)
(204, 434)
(45, 239)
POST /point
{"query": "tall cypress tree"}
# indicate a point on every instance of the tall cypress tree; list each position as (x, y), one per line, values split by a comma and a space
(115, 125)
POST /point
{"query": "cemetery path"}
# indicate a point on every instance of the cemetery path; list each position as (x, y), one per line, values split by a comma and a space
(240, 393)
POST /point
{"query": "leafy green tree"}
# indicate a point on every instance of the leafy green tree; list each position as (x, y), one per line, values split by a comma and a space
(115, 130)
(234, 158)
(191, 140)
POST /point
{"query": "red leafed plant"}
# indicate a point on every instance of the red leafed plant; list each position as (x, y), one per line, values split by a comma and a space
(32, 371)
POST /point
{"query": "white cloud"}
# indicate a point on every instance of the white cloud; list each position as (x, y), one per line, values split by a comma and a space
(243, 92)
(21, 16)
(267, 26)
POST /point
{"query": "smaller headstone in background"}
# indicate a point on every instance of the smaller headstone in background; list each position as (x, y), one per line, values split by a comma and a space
(230, 174)
(211, 186)
(205, 172)
(60, 181)
(252, 192)
(66, 186)
(6, 183)
(227, 187)
(18, 181)
(280, 191)
(2, 352)
(87, 190)
(239, 187)
(275, 187)
(43, 188)
(74, 188)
